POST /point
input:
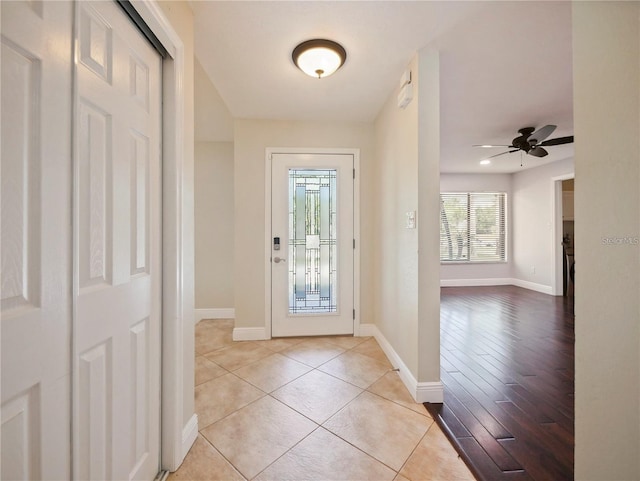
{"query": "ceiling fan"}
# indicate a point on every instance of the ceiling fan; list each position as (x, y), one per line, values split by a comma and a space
(531, 141)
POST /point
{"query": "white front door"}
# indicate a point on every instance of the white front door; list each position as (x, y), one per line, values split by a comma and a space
(36, 240)
(312, 244)
(117, 278)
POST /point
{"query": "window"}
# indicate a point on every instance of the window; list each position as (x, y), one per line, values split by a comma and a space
(473, 227)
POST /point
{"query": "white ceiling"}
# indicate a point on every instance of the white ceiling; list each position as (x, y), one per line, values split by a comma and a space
(504, 66)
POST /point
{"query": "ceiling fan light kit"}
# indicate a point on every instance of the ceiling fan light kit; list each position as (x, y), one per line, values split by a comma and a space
(319, 57)
(532, 142)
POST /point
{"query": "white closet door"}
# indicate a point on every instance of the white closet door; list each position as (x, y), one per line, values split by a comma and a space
(117, 252)
(36, 239)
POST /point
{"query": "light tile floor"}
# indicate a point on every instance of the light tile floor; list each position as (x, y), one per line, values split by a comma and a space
(328, 409)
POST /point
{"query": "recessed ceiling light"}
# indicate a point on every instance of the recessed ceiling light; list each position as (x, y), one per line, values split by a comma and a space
(485, 162)
(319, 57)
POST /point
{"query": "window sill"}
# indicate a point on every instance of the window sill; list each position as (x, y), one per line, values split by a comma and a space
(448, 263)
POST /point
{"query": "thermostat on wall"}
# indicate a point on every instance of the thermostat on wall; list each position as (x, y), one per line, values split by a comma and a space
(411, 219)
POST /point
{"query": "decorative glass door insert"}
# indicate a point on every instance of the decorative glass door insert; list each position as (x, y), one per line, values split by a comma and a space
(312, 241)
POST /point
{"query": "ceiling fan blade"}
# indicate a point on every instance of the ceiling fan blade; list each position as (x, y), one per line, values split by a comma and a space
(502, 153)
(538, 151)
(558, 141)
(541, 134)
(488, 146)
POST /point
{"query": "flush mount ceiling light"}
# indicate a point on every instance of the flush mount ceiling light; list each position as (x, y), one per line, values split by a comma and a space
(319, 57)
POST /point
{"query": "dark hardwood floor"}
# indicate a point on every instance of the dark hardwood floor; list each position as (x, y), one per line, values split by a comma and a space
(507, 362)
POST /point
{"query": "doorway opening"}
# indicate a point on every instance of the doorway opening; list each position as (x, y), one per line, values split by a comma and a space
(562, 234)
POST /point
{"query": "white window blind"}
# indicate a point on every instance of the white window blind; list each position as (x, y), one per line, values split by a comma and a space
(473, 227)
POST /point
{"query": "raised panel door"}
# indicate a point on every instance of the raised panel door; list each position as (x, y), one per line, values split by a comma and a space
(35, 240)
(117, 223)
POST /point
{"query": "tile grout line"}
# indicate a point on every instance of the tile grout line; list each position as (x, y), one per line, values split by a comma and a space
(298, 377)
(222, 455)
(288, 450)
(416, 446)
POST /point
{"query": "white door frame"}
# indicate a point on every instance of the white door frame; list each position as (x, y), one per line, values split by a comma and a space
(267, 228)
(177, 436)
(556, 232)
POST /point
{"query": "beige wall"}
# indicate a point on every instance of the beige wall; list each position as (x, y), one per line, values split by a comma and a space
(214, 222)
(407, 262)
(214, 225)
(532, 218)
(213, 121)
(429, 217)
(606, 41)
(181, 18)
(396, 247)
(252, 137)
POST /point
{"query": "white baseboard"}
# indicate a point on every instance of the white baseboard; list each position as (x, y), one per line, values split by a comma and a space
(501, 281)
(421, 392)
(533, 286)
(430, 392)
(215, 313)
(367, 330)
(498, 281)
(189, 434)
(250, 334)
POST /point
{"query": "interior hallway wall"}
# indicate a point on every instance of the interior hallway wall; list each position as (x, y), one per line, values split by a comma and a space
(429, 118)
(407, 260)
(396, 247)
(606, 69)
(532, 221)
(214, 225)
(214, 221)
(213, 121)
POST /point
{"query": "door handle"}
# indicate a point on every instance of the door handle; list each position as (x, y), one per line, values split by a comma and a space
(277, 260)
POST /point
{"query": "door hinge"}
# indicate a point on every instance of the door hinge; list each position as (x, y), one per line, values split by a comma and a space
(354, 243)
(354, 314)
(354, 173)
